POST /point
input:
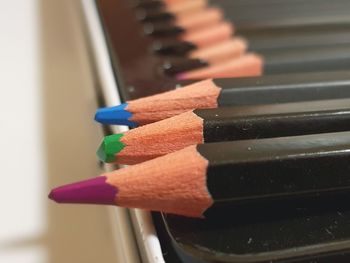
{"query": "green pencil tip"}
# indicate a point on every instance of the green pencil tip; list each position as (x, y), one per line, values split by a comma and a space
(110, 146)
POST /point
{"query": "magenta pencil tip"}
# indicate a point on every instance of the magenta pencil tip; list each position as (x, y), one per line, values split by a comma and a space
(50, 196)
(92, 191)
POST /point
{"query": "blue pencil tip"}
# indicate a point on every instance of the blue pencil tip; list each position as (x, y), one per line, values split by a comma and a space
(117, 115)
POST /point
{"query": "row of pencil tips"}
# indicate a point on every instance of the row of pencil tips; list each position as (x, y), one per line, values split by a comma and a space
(196, 41)
(203, 44)
(186, 160)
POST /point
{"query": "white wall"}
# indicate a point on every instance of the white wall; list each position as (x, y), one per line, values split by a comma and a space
(22, 216)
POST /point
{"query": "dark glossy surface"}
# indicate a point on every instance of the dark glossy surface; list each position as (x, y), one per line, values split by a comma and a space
(305, 230)
(173, 66)
(162, 30)
(284, 88)
(136, 67)
(153, 15)
(147, 4)
(172, 47)
(275, 120)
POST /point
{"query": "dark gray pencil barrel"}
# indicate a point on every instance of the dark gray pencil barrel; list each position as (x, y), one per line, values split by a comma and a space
(275, 120)
(284, 88)
(278, 167)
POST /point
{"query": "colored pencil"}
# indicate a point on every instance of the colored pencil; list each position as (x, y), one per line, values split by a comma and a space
(247, 65)
(275, 38)
(213, 93)
(223, 52)
(271, 39)
(190, 181)
(322, 58)
(182, 23)
(194, 39)
(225, 124)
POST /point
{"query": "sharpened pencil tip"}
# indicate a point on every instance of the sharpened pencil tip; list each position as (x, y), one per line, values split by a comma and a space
(92, 191)
(110, 146)
(117, 115)
(50, 196)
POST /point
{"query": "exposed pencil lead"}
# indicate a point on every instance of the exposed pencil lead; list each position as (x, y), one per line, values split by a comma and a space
(92, 191)
(115, 115)
(110, 146)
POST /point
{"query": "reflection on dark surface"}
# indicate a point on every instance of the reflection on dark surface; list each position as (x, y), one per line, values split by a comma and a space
(267, 226)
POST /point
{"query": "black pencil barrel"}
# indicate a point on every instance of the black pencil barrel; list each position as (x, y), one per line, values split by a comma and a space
(282, 38)
(279, 167)
(261, 14)
(284, 88)
(307, 59)
(267, 121)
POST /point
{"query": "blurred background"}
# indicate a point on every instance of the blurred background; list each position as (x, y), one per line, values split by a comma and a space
(48, 136)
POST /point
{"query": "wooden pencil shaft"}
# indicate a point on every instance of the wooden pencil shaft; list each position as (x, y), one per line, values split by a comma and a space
(270, 168)
(284, 88)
